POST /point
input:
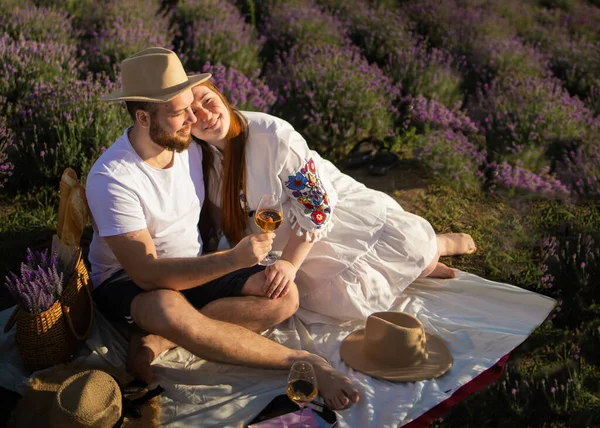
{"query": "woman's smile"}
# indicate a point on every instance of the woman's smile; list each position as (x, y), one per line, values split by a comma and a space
(212, 125)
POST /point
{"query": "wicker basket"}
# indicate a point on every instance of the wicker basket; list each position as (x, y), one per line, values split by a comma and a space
(51, 337)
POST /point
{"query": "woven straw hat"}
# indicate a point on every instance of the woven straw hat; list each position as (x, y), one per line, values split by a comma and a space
(154, 75)
(71, 396)
(90, 399)
(394, 346)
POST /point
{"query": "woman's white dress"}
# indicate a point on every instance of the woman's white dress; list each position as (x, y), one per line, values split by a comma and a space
(367, 249)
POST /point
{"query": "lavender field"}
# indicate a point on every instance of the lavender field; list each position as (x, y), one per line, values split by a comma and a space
(493, 108)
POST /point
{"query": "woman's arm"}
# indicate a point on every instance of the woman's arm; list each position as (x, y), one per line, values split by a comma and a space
(309, 211)
(296, 249)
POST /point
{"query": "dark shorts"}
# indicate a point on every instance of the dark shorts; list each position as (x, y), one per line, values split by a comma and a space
(114, 296)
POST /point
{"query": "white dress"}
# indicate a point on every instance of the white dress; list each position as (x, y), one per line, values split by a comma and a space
(367, 249)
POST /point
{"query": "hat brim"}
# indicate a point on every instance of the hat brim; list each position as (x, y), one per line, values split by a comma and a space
(439, 360)
(194, 80)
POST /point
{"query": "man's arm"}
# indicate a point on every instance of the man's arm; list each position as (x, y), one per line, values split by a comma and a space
(137, 254)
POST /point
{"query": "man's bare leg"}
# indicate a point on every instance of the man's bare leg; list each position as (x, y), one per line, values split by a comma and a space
(455, 244)
(251, 311)
(144, 348)
(167, 314)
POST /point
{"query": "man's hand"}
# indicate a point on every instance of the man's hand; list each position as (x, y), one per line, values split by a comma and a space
(280, 277)
(252, 249)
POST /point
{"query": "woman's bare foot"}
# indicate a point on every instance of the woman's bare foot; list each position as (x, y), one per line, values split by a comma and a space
(335, 388)
(144, 348)
(455, 244)
(442, 271)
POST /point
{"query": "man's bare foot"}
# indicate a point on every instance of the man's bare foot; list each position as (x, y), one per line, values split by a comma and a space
(335, 388)
(144, 348)
(442, 271)
(455, 244)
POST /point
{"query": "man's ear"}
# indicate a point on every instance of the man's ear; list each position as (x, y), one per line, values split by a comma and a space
(143, 118)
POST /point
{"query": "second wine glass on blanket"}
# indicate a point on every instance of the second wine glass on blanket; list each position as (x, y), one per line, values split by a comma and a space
(268, 218)
(302, 387)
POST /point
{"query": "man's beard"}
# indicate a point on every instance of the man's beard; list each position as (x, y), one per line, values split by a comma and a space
(172, 142)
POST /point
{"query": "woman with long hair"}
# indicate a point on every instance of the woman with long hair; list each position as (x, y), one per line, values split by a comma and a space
(351, 250)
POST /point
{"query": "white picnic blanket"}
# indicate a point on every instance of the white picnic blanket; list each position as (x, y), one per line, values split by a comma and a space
(480, 321)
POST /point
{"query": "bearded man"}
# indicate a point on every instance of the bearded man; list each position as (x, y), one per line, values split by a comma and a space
(145, 194)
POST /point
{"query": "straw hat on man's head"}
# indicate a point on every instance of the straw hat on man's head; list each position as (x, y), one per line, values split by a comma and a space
(75, 396)
(394, 346)
(154, 75)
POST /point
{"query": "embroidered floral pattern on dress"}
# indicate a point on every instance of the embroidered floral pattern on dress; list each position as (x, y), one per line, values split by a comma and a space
(306, 187)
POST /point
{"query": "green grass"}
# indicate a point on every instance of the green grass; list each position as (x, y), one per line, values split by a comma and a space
(564, 349)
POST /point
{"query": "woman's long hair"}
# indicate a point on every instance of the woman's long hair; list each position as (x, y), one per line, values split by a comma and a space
(233, 218)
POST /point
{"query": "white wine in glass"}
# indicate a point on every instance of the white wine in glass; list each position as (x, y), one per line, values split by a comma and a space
(302, 385)
(268, 218)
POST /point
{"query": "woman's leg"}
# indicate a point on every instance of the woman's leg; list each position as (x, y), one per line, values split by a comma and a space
(437, 269)
(448, 244)
(455, 244)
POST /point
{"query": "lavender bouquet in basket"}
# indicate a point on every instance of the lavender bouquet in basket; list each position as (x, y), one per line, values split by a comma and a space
(40, 282)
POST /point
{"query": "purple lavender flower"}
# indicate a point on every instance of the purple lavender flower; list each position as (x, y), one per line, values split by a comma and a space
(524, 111)
(215, 31)
(242, 92)
(452, 157)
(579, 168)
(38, 24)
(333, 96)
(386, 37)
(476, 32)
(432, 73)
(520, 179)
(376, 30)
(535, 121)
(116, 29)
(299, 24)
(25, 63)
(582, 21)
(73, 128)
(40, 283)
(6, 143)
(435, 115)
(576, 62)
(562, 257)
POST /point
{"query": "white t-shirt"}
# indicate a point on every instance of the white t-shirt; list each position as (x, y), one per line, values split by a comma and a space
(126, 194)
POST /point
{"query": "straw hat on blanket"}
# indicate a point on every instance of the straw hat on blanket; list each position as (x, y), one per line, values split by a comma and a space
(78, 396)
(394, 346)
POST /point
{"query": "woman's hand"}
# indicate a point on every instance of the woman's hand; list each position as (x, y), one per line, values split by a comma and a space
(279, 278)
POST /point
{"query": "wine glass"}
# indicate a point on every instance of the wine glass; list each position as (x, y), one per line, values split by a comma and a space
(268, 217)
(302, 386)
